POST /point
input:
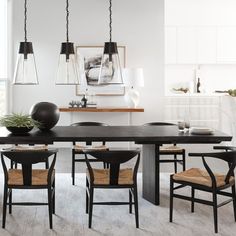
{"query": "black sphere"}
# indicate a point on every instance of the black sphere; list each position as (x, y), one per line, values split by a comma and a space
(46, 113)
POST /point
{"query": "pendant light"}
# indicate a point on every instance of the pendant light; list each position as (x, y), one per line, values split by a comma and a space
(110, 71)
(25, 71)
(68, 69)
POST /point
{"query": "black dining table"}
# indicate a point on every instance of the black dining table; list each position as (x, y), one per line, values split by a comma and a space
(151, 138)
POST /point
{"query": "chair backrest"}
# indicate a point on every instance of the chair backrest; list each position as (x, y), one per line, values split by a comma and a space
(89, 123)
(158, 124)
(114, 158)
(27, 159)
(228, 156)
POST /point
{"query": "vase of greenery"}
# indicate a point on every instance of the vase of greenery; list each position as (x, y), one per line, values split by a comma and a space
(18, 123)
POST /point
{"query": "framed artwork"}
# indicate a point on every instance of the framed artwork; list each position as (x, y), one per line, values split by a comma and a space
(91, 57)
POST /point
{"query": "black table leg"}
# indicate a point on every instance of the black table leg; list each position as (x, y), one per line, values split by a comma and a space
(151, 173)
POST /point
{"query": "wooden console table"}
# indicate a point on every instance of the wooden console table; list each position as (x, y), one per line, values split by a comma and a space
(100, 109)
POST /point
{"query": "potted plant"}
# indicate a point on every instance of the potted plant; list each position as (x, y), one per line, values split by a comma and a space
(18, 123)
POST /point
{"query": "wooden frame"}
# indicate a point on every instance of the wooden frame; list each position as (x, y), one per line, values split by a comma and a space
(94, 53)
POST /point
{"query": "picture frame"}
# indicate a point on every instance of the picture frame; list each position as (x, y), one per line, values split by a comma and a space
(92, 55)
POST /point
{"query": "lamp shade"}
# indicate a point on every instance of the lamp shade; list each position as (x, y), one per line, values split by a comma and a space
(110, 70)
(68, 69)
(133, 77)
(25, 70)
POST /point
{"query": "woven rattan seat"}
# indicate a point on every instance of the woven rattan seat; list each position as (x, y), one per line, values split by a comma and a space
(171, 149)
(102, 176)
(198, 176)
(80, 148)
(39, 177)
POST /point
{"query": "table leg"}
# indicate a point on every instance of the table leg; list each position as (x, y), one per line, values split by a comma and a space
(151, 173)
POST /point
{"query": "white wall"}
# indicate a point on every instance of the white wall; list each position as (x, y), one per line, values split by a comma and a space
(136, 24)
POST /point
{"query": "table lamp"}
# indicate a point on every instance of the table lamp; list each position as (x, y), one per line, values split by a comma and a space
(133, 78)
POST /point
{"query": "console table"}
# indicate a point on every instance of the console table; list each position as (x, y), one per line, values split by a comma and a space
(103, 109)
(100, 109)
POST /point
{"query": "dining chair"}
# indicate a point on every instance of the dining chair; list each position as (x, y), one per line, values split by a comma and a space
(113, 177)
(207, 181)
(28, 178)
(77, 149)
(168, 150)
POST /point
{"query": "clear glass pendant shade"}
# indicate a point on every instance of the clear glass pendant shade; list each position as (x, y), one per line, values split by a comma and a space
(68, 68)
(110, 71)
(25, 70)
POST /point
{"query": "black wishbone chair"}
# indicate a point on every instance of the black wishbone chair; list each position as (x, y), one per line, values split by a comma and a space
(28, 178)
(112, 177)
(77, 150)
(170, 150)
(207, 180)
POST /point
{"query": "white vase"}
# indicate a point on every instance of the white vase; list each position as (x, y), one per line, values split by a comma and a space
(132, 98)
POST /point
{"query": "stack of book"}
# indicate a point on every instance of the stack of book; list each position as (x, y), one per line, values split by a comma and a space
(91, 105)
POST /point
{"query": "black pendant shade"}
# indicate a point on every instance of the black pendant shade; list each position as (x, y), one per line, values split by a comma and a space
(110, 48)
(26, 48)
(67, 48)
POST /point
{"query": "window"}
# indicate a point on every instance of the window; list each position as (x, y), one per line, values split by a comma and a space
(3, 57)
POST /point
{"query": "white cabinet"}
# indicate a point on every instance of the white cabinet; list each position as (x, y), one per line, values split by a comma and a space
(170, 45)
(186, 45)
(226, 44)
(200, 110)
(200, 45)
(206, 45)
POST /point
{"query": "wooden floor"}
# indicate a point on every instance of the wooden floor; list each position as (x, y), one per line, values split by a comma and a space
(70, 218)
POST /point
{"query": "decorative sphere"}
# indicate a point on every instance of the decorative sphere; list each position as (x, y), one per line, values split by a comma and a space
(46, 113)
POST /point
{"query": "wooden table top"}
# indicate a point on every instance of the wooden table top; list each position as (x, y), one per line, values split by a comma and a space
(137, 134)
(100, 109)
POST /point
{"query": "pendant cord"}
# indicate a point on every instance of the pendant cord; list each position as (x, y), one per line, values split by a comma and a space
(110, 16)
(67, 21)
(25, 20)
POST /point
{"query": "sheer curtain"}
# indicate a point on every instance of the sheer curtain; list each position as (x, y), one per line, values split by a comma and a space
(3, 57)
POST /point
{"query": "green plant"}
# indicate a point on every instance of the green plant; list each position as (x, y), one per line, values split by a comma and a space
(18, 120)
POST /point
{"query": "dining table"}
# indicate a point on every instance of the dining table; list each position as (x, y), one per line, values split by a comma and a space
(150, 137)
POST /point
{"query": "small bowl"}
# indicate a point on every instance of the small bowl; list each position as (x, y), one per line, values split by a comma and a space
(19, 130)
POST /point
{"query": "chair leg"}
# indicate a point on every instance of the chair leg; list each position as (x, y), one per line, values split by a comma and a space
(10, 201)
(4, 211)
(73, 169)
(215, 211)
(136, 206)
(175, 163)
(50, 206)
(46, 164)
(104, 165)
(171, 199)
(130, 201)
(54, 198)
(87, 197)
(192, 199)
(184, 161)
(12, 164)
(234, 200)
(91, 191)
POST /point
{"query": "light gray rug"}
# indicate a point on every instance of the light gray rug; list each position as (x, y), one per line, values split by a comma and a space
(70, 218)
